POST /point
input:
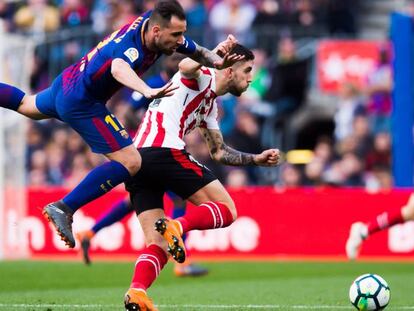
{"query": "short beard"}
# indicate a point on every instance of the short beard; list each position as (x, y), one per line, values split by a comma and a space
(235, 92)
(167, 52)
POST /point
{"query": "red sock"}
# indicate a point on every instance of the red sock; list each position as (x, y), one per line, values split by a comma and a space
(209, 215)
(384, 221)
(148, 266)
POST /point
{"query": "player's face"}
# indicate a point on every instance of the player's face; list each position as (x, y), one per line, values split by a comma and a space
(170, 37)
(241, 77)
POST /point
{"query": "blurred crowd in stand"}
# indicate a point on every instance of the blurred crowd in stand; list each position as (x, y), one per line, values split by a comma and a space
(357, 152)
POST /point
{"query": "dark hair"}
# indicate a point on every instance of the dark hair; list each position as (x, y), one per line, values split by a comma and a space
(243, 51)
(165, 9)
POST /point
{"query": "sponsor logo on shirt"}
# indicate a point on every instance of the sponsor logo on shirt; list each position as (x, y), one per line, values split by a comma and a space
(132, 54)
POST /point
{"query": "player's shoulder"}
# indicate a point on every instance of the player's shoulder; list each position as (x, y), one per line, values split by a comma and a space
(206, 71)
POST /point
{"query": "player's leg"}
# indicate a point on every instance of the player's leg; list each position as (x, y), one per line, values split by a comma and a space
(191, 180)
(13, 98)
(361, 231)
(147, 196)
(115, 214)
(214, 209)
(105, 135)
(149, 264)
(188, 268)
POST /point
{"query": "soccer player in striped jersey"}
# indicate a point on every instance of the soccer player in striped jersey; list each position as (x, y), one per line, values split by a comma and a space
(167, 166)
(360, 231)
(79, 94)
(124, 208)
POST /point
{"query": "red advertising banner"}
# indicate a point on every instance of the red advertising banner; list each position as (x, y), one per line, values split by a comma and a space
(271, 223)
(346, 61)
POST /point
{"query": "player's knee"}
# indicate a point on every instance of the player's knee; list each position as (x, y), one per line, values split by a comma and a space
(131, 160)
(408, 212)
(28, 108)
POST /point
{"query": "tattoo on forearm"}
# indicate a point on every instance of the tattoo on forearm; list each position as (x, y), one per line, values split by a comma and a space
(205, 56)
(236, 158)
(225, 154)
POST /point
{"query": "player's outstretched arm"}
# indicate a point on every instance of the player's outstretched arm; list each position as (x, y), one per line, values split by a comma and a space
(209, 58)
(123, 73)
(190, 68)
(222, 153)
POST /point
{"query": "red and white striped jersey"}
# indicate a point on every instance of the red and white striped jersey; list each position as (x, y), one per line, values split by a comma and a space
(169, 119)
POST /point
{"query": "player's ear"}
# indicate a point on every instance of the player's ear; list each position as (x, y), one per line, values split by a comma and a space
(229, 72)
(156, 29)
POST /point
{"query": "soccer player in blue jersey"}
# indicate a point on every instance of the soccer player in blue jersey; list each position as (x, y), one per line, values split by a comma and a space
(78, 96)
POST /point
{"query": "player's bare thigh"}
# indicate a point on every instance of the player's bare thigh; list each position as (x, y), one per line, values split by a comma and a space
(147, 220)
(28, 108)
(215, 192)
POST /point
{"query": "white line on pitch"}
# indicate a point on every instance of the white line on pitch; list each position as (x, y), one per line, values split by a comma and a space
(191, 306)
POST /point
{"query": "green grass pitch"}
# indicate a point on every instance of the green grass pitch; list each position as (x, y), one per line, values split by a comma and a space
(56, 286)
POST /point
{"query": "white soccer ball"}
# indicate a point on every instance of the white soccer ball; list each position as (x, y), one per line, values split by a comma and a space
(369, 292)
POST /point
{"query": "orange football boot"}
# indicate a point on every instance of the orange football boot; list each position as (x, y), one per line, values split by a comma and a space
(84, 237)
(137, 299)
(171, 231)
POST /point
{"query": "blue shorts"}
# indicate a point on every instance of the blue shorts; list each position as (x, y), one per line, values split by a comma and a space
(91, 119)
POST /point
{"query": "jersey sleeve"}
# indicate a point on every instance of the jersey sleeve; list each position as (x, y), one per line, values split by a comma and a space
(127, 52)
(211, 119)
(188, 47)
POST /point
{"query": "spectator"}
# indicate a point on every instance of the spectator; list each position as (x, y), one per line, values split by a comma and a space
(122, 12)
(341, 17)
(379, 88)
(290, 176)
(196, 15)
(288, 80)
(380, 156)
(349, 105)
(37, 17)
(74, 13)
(6, 15)
(246, 137)
(232, 17)
(237, 178)
(362, 133)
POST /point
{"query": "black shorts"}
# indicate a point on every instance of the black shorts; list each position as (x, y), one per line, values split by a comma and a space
(166, 169)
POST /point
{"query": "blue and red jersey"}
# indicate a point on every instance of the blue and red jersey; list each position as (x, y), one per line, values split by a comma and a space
(92, 74)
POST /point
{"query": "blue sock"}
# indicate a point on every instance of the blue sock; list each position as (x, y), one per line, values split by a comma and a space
(10, 96)
(98, 182)
(116, 213)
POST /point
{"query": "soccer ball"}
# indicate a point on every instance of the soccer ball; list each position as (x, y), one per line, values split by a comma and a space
(369, 292)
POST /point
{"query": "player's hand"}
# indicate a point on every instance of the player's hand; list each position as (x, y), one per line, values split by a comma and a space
(270, 157)
(165, 91)
(228, 60)
(225, 46)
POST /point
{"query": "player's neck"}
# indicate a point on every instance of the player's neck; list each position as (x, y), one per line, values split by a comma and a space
(149, 41)
(221, 83)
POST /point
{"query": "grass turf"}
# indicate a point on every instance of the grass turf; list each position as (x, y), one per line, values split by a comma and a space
(50, 286)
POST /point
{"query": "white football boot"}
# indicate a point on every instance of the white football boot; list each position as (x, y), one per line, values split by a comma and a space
(357, 234)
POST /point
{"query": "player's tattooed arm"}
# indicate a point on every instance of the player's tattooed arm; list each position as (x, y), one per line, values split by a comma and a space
(208, 58)
(224, 154)
(190, 68)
